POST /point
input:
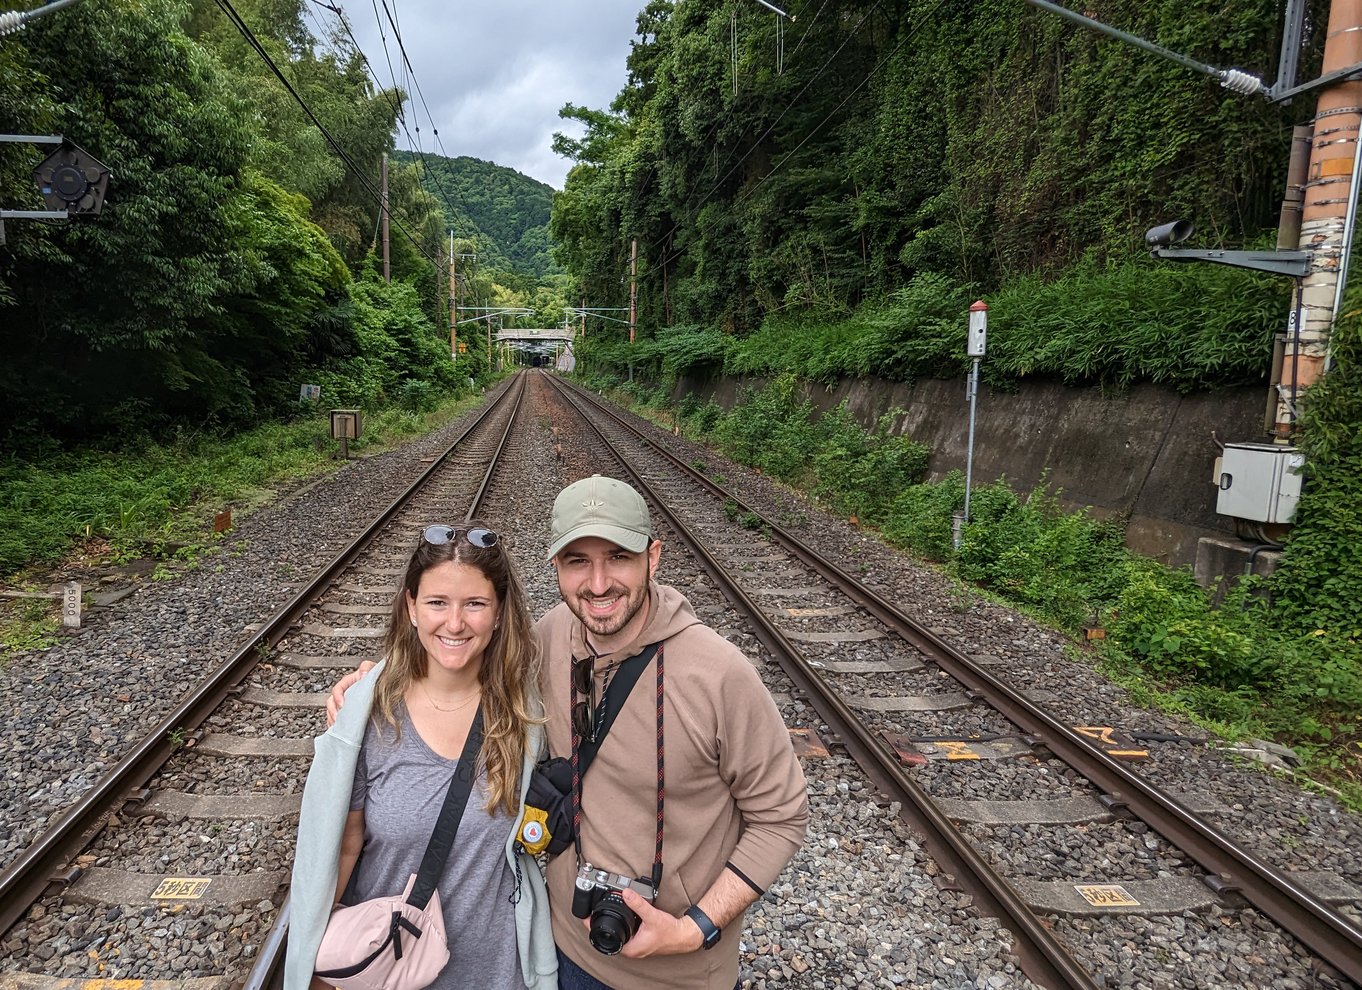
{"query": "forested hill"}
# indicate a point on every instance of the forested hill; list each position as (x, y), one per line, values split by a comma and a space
(502, 209)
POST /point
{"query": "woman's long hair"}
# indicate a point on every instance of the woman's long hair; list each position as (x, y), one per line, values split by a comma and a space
(509, 676)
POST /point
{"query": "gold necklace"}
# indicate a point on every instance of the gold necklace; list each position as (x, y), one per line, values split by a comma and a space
(463, 704)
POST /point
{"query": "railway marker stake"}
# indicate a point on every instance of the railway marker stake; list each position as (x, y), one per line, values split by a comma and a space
(70, 605)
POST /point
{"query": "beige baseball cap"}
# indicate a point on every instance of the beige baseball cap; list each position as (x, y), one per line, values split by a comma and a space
(604, 507)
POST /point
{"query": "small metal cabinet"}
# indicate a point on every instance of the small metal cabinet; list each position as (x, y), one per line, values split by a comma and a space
(1259, 481)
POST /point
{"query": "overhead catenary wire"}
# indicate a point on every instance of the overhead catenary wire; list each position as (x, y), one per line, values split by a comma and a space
(385, 92)
(365, 181)
(450, 210)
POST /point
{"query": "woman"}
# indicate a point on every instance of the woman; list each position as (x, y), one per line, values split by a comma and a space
(458, 641)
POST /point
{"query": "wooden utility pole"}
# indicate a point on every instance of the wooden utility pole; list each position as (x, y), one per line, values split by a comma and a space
(633, 285)
(1324, 217)
(633, 298)
(453, 308)
(383, 209)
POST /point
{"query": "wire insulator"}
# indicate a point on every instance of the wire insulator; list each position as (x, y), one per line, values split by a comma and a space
(1238, 81)
(12, 21)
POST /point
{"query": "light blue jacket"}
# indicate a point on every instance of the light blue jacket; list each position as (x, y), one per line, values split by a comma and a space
(326, 803)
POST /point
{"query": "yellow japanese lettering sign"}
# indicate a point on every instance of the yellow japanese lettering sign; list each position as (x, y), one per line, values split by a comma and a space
(180, 888)
(1106, 895)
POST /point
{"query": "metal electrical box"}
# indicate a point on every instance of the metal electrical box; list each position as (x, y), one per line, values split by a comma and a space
(1259, 481)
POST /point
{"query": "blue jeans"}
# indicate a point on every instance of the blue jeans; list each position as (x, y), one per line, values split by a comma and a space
(573, 977)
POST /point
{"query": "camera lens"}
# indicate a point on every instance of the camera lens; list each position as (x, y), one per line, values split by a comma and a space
(612, 924)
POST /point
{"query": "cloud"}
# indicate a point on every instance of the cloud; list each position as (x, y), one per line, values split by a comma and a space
(495, 75)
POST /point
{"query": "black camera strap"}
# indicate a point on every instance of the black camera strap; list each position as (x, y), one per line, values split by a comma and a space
(584, 751)
(626, 675)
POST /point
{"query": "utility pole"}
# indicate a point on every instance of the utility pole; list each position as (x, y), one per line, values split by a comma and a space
(454, 312)
(383, 209)
(633, 299)
(1288, 239)
(1327, 216)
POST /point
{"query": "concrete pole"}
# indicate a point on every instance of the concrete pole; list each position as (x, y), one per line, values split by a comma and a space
(1324, 217)
(383, 208)
(1288, 239)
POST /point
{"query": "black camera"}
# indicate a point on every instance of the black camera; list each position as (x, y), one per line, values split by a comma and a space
(597, 896)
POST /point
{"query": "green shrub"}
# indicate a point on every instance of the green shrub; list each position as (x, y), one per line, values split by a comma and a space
(860, 473)
(920, 517)
(770, 429)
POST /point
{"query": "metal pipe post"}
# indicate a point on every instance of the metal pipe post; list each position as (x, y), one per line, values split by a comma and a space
(973, 390)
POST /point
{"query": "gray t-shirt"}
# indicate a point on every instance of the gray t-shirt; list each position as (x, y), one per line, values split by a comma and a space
(400, 782)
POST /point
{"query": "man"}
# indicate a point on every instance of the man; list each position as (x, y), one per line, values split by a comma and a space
(735, 801)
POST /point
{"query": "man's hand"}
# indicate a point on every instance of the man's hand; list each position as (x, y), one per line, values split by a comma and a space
(659, 933)
(337, 699)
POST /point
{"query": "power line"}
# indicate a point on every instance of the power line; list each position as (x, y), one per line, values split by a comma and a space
(416, 83)
(398, 115)
(695, 210)
(254, 42)
(835, 110)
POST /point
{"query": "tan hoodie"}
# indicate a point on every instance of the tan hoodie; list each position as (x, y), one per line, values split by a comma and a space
(735, 792)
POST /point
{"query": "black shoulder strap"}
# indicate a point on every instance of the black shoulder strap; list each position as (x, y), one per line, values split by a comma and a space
(615, 695)
(451, 812)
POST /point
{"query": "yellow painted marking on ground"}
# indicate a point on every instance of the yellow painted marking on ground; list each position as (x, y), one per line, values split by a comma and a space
(957, 750)
(181, 888)
(1105, 735)
(1106, 895)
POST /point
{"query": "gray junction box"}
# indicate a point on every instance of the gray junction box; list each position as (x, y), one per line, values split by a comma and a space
(1260, 482)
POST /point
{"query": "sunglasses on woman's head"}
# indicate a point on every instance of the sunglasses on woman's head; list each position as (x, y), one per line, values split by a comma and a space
(481, 538)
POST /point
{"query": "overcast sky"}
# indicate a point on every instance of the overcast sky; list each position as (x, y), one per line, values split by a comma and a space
(495, 73)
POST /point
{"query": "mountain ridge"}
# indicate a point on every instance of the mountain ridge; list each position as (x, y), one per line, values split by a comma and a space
(504, 211)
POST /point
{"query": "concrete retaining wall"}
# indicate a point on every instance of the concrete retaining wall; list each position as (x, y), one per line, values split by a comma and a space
(1145, 455)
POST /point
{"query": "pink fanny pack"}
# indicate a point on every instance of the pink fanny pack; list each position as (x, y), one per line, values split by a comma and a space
(386, 943)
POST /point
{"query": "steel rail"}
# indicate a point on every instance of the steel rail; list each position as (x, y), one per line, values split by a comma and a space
(1232, 868)
(1043, 958)
(27, 878)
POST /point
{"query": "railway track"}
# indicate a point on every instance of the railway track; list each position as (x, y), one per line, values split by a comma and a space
(852, 673)
(822, 609)
(215, 789)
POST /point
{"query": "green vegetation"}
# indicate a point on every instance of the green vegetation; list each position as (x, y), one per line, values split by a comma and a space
(986, 143)
(837, 218)
(1189, 327)
(505, 213)
(159, 499)
(1244, 669)
(235, 258)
